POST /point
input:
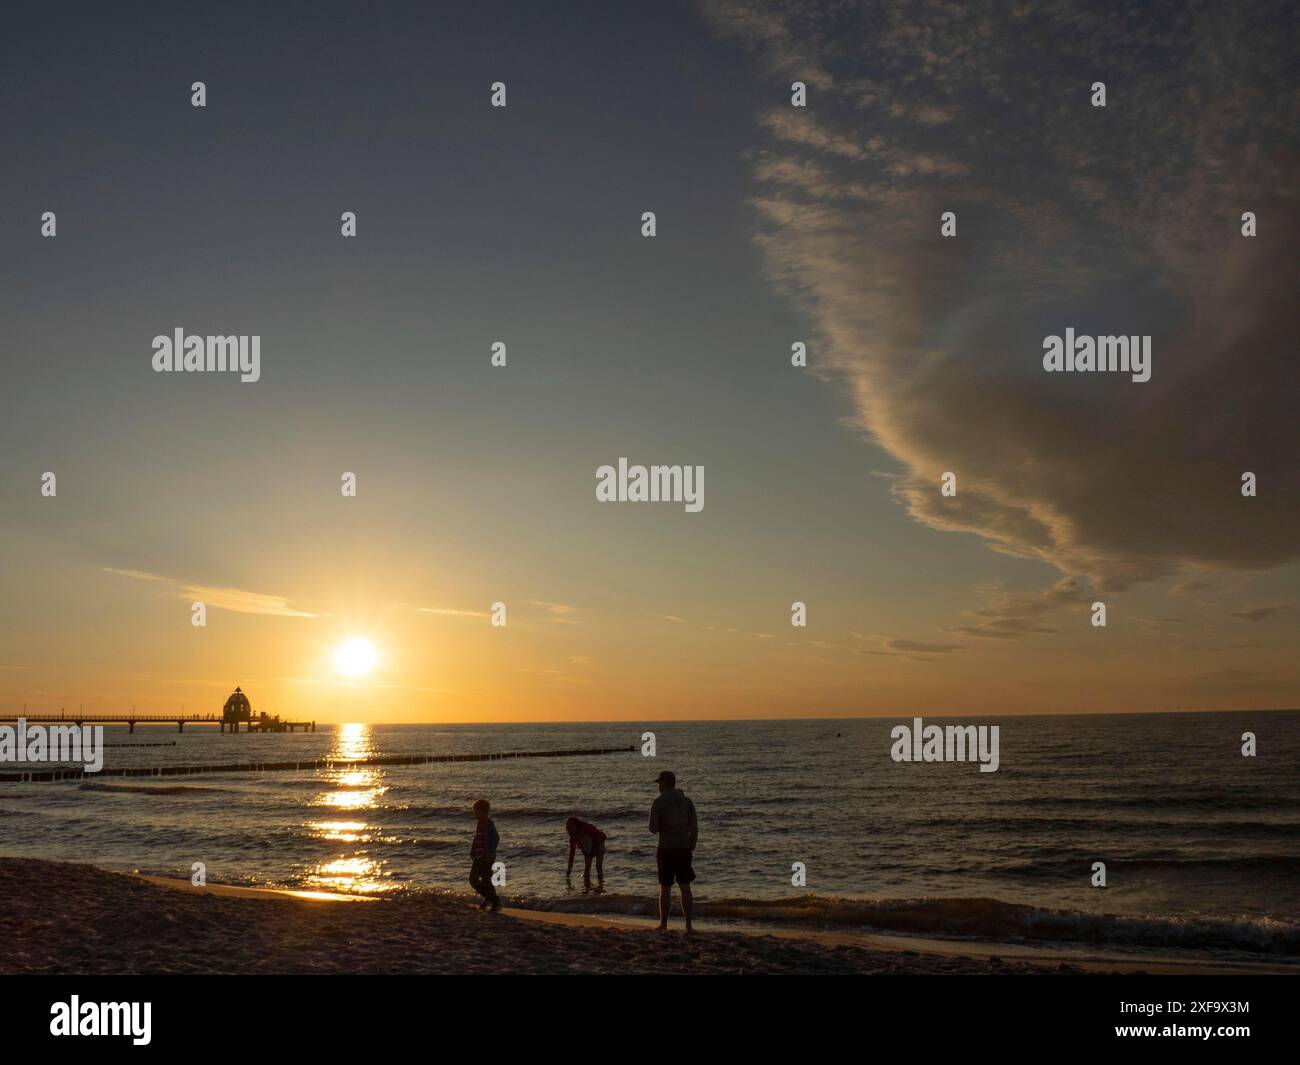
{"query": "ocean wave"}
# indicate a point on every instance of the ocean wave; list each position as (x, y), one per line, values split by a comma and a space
(428, 812)
(427, 843)
(1263, 863)
(1216, 801)
(558, 814)
(1111, 825)
(971, 918)
(149, 789)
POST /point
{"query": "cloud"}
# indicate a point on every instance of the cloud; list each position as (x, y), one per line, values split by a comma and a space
(1156, 625)
(1013, 615)
(450, 612)
(913, 650)
(234, 599)
(779, 31)
(1006, 630)
(554, 608)
(556, 674)
(1232, 645)
(559, 613)
(916, 645)
(1259, 613)
(1123, 220)
(887, 654)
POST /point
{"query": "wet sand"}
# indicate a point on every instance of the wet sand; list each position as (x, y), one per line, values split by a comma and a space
(64, 918)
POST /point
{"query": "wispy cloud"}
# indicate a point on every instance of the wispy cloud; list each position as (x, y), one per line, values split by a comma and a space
(1260, 613)
(563, 609)
(913, 650)
(235, 599)
(1014, 615)
(559, 613)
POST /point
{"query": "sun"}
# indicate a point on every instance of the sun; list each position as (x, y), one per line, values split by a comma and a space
(355, 657)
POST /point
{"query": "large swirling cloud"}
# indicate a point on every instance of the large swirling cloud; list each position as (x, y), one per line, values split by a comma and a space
(1115, 220)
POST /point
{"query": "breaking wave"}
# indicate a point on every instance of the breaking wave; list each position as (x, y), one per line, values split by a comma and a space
(972, 918)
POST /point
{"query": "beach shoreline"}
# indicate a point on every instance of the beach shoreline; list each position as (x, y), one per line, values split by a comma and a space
(62, 917)
(1040, 955)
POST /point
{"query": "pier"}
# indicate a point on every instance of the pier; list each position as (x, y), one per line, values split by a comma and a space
(237, 710)
(262, 723)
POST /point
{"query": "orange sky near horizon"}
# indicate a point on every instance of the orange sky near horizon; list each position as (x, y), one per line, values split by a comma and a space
(553, 661)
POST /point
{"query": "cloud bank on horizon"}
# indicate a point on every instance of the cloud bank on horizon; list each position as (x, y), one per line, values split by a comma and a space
(1123, 219)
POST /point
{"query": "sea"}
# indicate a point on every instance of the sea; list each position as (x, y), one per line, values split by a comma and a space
(1200, 844)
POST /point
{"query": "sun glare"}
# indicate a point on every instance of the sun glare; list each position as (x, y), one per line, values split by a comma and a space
(355, 658)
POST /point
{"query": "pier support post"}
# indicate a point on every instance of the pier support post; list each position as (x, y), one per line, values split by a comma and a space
(131, 727)
(180, 726)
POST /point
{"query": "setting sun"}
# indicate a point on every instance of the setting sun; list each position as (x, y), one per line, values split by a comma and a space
(355, 658)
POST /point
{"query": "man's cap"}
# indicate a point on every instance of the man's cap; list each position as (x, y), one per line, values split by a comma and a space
(667, 777)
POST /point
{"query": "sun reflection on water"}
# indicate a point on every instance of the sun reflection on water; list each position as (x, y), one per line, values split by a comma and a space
(352, 741)
(343, 831)
(355, 874)
(353, 789)
(356, 787)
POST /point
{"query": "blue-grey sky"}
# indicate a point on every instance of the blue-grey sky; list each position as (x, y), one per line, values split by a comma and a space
(775, 224)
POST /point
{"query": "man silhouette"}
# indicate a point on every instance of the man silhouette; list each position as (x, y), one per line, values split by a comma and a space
(672, 816)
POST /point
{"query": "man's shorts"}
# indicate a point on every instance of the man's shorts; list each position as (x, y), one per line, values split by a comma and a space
(673, 865)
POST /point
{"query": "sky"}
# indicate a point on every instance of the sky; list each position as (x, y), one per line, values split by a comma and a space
(775, 224)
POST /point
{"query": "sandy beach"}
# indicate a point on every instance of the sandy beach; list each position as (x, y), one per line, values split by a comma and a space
(60, 917)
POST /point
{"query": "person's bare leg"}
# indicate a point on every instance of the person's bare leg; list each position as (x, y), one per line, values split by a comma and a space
(586, 872)
(600, 870)
(665, 904)
(686, 906)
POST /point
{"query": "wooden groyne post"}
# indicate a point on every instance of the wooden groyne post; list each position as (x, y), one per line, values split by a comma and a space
(36, 775)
